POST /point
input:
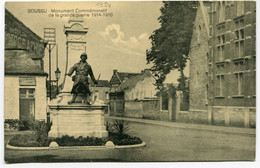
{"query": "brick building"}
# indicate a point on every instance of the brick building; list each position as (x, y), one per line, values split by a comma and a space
(223, 76)
(25, 79)
(198, 100)
(232, 59)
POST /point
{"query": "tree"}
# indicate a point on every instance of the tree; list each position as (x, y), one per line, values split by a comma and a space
(171, 42)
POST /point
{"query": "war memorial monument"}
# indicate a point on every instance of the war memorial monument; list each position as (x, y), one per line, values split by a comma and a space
(76, 114)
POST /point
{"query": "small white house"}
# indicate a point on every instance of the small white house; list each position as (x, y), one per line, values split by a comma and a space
(25, 80)
(139, 87)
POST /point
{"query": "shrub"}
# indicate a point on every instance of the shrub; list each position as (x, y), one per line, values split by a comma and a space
(24, 125)
(24, 141)
(108, 126)
(80, 141)
(11, 124)
(124, 139)
(117, 133)
(120, 127)
(17, 124)
(41, 130)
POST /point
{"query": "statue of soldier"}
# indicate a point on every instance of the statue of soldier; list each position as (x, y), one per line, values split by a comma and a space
(81, 84)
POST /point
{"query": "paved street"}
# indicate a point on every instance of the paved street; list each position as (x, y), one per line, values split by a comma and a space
(163, 143)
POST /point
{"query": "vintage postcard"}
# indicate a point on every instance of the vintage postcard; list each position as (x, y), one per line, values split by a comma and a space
(130, 81)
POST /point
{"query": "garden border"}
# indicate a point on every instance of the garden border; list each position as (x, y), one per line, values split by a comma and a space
(76, 147)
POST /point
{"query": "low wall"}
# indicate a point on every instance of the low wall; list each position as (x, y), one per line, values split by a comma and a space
(234, 116)
(252, 117)
(223, 116)
(151, 109)
(133, 109)
(147, 109)
(198, 116)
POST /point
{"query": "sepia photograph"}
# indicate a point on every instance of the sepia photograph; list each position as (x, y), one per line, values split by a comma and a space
(129, 82)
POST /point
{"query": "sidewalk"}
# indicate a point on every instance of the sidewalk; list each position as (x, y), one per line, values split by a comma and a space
(222, 129)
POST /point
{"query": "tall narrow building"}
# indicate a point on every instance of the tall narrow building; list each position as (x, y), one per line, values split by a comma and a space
(199, 54)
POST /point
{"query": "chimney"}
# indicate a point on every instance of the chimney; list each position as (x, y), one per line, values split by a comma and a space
(115, 71)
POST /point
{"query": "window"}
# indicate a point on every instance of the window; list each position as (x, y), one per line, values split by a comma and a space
(221, 11)
(26, 104)
(107, 95)
(136, 96)
(239, 81)
(221, 40)
(19, 41)
(220, 85)
(32, 47)
(239, 38)
(239, 8)
(27, 93)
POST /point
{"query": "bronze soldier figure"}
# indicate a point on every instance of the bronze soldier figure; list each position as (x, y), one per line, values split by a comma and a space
(81, 84)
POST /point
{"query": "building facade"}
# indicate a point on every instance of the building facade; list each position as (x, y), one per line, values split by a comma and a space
(139, 87)
(231, 63)
(102, 90)
(223, 58)
(199, 53)
(25, 80)
(137, 97)
(118, 78)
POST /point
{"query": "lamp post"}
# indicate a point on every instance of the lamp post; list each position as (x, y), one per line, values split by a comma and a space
(57, 74)
(50, 36)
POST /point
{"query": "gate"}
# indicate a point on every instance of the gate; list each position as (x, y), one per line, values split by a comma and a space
(117, 104)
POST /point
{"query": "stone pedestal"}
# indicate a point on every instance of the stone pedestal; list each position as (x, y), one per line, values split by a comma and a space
(77, 120)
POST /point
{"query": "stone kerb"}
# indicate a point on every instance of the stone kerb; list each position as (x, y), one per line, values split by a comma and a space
(55, 147)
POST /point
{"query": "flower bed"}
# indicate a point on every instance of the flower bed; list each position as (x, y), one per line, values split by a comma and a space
(31, 140)
(39, 138)
(28, 140)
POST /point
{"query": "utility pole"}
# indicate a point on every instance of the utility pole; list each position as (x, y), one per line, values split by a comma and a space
(50, 36)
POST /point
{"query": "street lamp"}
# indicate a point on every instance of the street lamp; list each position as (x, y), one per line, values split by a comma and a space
(57, 75)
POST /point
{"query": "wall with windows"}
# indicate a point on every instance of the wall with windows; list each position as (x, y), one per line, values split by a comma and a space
(142, 90)
(232, 66)
(14, 90)
(233, 53)
(102, 92)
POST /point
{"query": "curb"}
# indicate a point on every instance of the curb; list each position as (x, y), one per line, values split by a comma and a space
(218, 129)
(130, 146)
(26, 148)
(75, 147)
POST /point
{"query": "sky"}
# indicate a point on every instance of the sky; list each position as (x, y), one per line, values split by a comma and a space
(134, 19)
(117, 42)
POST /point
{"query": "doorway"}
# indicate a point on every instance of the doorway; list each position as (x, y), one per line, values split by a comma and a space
(26, 104)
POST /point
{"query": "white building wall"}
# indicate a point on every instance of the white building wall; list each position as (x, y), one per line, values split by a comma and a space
(143, 89)
(11, 97)
(102, 93)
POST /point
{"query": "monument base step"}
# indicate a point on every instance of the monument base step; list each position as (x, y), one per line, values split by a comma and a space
(99, 134)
